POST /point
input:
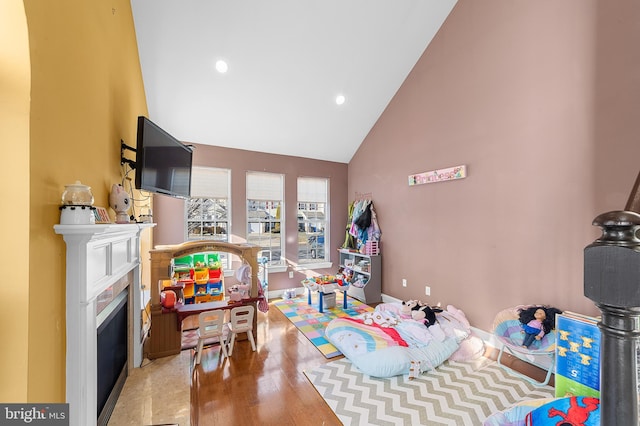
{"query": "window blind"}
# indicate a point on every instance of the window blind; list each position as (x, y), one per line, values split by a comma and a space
(312, 190)
(265, 186)
(210, 182)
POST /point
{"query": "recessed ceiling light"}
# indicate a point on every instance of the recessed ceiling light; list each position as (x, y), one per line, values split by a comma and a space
(222, 66)
(340, 99)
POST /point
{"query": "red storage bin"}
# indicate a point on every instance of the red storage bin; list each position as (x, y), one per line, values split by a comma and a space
(214, 274)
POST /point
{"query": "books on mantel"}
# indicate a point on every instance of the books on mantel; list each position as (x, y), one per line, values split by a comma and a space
(577, 371)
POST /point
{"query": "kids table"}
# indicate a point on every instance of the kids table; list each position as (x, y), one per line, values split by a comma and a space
(323, 289)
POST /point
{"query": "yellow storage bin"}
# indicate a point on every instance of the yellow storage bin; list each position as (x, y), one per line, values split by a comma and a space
(203, 298)
(217, 297)
(188, 289)
(201, 275)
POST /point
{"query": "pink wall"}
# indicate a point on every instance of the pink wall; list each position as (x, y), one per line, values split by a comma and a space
(169, 212)
(541, 101)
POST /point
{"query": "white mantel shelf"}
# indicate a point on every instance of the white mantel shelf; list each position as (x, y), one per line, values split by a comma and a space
(97, 256)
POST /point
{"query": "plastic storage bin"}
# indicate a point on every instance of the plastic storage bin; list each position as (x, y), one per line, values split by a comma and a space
(189, 292)
(215, 290)
(182, 274)
(185, 261)
(201, 275)
(329, 300)
(200, 260)
(214, 274)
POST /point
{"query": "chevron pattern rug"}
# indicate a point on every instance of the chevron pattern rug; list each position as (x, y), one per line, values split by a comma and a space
(456, 393)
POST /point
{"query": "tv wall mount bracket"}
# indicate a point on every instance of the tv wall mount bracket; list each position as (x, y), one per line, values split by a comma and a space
(124, 147)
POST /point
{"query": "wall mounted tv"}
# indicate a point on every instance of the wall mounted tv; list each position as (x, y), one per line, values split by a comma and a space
(163, 163)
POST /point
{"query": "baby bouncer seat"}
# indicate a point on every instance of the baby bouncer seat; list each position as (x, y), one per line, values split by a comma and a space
(509, 331)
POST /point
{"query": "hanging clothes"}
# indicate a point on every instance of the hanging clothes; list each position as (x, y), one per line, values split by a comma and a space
(349, 241)
(364, 220)
(364, 225)
(374, 230)
(359, 208)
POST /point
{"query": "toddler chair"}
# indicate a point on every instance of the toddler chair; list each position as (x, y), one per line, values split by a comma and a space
(241, 322)
(508, 330)
(211, 324)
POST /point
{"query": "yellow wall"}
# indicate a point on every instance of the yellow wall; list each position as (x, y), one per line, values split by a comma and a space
(86, 92)
(14, 214)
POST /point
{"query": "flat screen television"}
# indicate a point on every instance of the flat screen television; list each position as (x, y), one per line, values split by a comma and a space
(163, 163)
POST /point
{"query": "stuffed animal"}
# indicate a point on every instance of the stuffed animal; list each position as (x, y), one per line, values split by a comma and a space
(408, 307)
(426, 314)
(244, 290)
(234, 294)
(380, 318)
(119, 202)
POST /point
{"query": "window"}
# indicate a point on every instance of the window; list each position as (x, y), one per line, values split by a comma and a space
(312, 220)
(265, 193)
(207, 211)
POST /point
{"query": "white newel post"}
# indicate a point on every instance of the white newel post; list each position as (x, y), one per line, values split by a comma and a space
(97, 257)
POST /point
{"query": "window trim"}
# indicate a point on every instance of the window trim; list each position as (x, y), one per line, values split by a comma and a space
(221, 191)
(313, 200)
(254, 194)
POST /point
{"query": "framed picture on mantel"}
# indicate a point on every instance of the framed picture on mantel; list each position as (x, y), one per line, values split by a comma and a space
(102, 216)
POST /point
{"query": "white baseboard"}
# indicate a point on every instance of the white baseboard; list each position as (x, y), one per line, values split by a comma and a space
(274, 294)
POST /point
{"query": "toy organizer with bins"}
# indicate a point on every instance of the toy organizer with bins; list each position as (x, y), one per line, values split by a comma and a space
(201, 275)
(363, 273)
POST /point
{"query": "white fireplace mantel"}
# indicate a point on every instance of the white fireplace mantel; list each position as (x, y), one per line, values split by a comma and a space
(97, 257)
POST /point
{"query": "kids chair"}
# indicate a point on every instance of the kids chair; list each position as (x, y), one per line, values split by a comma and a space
(211, 324)
(508, 330)
(241, 322)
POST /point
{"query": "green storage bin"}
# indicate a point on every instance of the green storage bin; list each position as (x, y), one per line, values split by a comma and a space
(184, 261)
(200, 260)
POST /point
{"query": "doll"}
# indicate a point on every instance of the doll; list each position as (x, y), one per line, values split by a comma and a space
(536, 322)
(534, 328)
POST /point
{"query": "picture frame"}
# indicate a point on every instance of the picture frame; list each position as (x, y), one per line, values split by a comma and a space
(102, 215)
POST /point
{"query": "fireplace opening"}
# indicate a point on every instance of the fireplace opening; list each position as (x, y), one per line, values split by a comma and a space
(112, 333)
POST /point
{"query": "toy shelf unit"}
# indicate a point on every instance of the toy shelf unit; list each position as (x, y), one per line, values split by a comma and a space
(201, 277)
(364, 274)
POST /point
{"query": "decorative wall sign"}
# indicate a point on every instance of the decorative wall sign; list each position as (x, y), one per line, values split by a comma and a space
(452, 173)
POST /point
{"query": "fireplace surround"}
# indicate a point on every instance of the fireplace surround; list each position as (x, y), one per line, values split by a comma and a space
(98, 256)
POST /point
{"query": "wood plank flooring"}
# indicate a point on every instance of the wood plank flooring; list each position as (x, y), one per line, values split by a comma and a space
(268, 387)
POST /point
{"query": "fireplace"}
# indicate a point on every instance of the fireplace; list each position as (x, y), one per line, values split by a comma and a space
(112, 336)
(102, 268)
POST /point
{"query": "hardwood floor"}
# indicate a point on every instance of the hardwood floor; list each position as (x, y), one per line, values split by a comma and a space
(268, 387)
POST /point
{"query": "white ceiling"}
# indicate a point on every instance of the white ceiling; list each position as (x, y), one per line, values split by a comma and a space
(288, 60)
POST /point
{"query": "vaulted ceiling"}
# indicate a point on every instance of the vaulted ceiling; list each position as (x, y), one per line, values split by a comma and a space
(288, 61)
